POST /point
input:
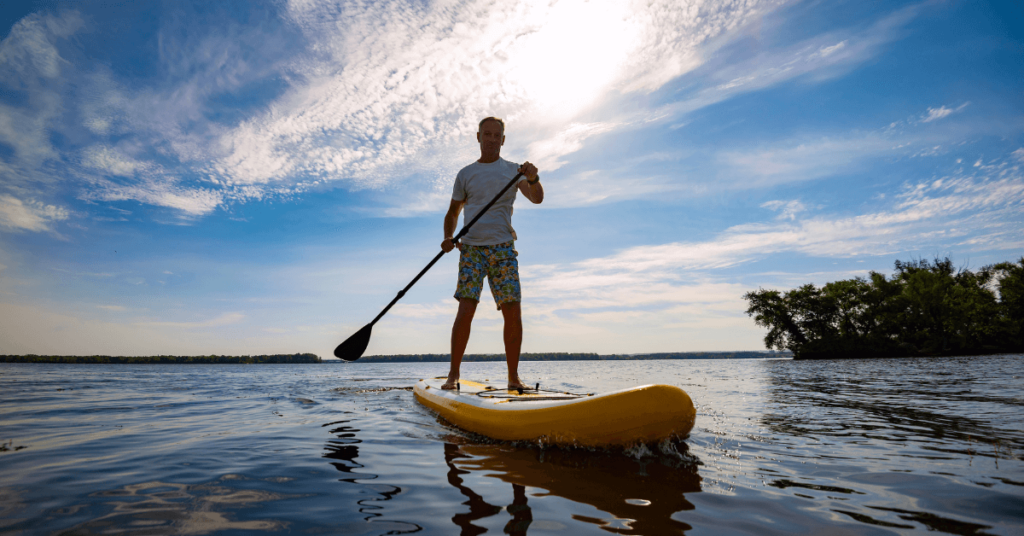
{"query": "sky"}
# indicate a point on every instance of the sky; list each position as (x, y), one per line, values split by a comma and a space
(242, 178)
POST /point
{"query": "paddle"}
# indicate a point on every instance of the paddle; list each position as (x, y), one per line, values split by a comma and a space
(354, 346)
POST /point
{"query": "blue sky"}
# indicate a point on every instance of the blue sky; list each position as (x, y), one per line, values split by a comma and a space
(246, 178)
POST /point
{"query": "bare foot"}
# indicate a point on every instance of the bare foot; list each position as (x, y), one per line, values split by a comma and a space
(516, 384)
(451, 384)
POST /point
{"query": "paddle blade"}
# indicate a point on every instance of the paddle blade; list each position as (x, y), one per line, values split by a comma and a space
(354, 346)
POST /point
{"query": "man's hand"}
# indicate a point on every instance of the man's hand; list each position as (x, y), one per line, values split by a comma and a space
(531, 188)
(449, 245)
(529, 170)
(450, 220)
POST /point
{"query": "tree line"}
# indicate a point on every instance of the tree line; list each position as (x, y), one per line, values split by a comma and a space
(163, 359)
(564, 356)
(925, 308)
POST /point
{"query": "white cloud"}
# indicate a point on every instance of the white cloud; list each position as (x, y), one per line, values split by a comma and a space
(675, 32)
(30, 67)
(935, 114)
(598, 186)
(545, 154)
(809, 158)
(420, 203)
(29, 215)
(112, 162)
(787, 209)
(385, 91)
(735, 71)
(164, 117)
(28, 50)
(412, 80)
(222, 320)
(827, 51)
(1019, 155)
(190, 201)
(798, 161)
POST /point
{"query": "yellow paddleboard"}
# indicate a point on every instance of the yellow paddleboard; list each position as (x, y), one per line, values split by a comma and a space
(641, 414)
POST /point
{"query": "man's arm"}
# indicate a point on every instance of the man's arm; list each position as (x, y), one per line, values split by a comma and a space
(451, 220)
(534, 192)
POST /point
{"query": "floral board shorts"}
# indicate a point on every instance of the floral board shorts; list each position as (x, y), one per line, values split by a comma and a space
(500, 266)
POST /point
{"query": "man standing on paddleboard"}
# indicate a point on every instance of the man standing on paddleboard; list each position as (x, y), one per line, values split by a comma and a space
(488, 248)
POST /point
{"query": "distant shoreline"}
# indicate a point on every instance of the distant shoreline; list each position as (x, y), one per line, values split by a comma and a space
(563, 356)
(164, 359)
(403, 358)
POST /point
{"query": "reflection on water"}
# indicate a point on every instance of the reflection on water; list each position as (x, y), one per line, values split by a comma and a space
(639, 496)
(343, 449)
(478, 507)
(157, 508)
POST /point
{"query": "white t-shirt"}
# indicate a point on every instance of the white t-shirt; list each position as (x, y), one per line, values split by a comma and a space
(477, 184)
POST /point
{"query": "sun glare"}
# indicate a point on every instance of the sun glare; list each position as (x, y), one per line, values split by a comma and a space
(576, 55)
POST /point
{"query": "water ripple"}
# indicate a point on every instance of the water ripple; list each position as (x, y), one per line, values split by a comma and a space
(780, 447)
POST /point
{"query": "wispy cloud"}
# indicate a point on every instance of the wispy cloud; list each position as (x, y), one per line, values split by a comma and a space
(806, 158)
(822, 57)
(386, 105)
(154, 136)
(800, 160)
(31, 71)
(378, 92)
(606, 185)
(934, 114)
(546, 154)
(163, 193)
(222, 320)
(787, 209)
(109, 161)
(30, 215)
(372, 94)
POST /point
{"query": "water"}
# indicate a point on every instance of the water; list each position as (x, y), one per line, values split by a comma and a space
(779, 447)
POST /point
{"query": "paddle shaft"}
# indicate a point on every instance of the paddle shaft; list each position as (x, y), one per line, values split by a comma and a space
(455, 239)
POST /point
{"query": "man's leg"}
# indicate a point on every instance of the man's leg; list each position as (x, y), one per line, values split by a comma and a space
(513, 341)
(460, 338)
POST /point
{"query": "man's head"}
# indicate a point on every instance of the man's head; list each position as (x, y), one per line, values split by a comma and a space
(491, 136)
(498, 120)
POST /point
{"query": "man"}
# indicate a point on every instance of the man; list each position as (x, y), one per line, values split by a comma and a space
(488, 247)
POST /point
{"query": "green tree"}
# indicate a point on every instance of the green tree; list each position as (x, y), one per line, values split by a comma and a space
(925, 308)
(1011, 302)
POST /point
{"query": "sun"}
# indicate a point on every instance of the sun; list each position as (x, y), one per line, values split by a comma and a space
(576, 55)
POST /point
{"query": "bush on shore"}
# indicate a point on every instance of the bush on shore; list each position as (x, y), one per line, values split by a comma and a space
(924, 309)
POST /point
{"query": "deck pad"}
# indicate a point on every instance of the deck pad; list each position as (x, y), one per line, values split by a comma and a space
(492, 391)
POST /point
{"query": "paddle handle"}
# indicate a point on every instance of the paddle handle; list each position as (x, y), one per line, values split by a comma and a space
(465, 229)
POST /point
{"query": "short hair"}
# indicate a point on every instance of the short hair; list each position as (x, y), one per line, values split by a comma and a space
(496, 119)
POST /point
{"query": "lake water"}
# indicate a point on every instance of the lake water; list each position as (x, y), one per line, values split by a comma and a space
(780, 447)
